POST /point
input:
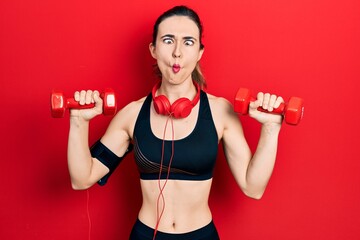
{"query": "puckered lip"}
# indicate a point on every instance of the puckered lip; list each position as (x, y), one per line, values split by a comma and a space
(176, 68)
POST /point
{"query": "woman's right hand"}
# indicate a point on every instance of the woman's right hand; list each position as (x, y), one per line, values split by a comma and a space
(84, 98)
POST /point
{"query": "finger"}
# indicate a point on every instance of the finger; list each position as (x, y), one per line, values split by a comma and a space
(89, 97)
(265, 103)
(96, 96)
(82, 97)
(272, 102)
(260, 99)
(77, 96)
(279, 100)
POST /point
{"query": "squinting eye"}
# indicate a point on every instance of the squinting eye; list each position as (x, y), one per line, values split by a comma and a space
(167, 40)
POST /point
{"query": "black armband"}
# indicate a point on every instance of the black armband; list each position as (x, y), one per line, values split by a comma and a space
(107, 157)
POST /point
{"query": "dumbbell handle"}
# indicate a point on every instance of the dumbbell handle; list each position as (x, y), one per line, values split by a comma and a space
(243, 99)
(59, 103)
(71, 103)
(292, 111)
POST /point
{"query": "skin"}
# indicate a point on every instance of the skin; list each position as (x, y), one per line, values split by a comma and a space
(178, 42)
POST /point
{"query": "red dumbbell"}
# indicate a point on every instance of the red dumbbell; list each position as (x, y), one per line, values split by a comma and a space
(292, 111)
(59, 103)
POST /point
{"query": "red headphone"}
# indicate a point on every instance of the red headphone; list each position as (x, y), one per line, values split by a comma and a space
(181, 108)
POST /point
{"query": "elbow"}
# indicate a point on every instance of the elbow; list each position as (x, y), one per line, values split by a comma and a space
(80, 186)
(256, 195)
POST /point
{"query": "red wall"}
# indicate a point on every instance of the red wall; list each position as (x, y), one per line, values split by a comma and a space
(307, 48)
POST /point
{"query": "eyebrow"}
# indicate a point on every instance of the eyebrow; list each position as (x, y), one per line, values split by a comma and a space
(173, 36)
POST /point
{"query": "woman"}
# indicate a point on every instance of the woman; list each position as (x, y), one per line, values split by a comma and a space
(175, 131)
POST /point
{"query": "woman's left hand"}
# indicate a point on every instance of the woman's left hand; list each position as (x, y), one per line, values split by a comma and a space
(267, 102)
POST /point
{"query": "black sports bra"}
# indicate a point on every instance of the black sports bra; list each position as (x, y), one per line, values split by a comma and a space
(194, 156)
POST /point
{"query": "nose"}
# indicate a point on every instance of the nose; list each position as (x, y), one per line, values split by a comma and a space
(177, 51)
(176, 55)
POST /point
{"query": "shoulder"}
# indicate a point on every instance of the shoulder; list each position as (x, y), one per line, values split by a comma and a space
(223, 113)
(120, 130)
(132, 108)
(126, 117)
(219, 105)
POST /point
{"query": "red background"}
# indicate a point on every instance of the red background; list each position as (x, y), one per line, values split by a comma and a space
(307, 48)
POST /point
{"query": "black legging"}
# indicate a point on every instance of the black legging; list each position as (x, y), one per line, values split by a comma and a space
(142, 232)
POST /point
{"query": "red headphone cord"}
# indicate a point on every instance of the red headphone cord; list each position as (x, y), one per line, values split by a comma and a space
(161, 188)
(88, 212)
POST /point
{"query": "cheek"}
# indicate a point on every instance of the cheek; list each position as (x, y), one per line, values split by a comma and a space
(162, 63)
(192, 58)
(163, 52)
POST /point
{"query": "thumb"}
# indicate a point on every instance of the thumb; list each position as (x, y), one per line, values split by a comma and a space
(98, 101)
(254, 105)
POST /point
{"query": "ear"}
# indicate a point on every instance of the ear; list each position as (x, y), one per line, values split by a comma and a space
(201, 53)
(152, 50)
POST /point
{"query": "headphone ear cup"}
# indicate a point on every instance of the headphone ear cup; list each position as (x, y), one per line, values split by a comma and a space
(181, 108)
(162, 105)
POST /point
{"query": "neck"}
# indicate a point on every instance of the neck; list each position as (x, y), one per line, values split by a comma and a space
(173, 92)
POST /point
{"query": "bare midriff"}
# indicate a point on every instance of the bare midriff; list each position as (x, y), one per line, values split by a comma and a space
(186, 205)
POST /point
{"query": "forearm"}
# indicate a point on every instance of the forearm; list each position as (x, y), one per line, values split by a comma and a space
(262, 163)
(79, 157)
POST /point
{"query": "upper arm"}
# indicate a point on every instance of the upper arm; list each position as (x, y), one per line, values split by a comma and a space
(236, 149)
(117, 137)
(120, 130)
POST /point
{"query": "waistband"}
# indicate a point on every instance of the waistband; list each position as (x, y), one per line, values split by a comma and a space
(207, 232)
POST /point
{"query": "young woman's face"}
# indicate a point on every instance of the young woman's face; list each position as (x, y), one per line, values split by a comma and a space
(177, 49)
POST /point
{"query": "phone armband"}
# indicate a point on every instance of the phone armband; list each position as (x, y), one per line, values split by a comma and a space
(99, 151)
